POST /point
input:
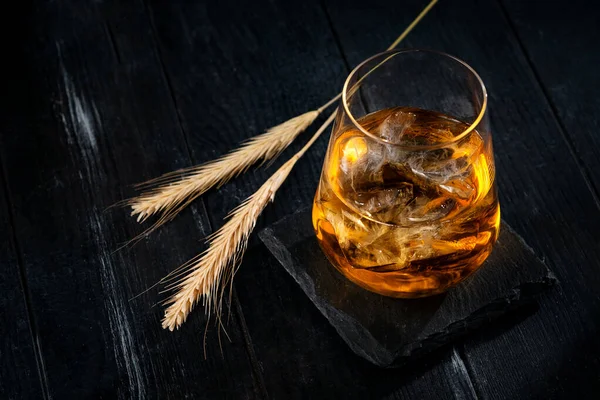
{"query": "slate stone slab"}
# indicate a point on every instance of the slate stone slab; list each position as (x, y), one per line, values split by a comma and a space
(387, 331)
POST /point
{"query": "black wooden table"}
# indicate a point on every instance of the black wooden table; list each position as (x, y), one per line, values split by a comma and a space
(98, 95)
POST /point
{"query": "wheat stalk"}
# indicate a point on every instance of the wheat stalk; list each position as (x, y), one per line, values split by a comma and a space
(168, 194)
(226, 246)
(208, 273)
(172, 193)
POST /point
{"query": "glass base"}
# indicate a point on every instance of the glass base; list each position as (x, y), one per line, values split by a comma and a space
(416, 279)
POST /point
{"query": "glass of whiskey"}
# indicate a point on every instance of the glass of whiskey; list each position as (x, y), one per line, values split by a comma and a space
(407, 203)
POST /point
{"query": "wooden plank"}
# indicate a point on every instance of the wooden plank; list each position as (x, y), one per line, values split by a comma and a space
(22, 374)
(560, 42)
(304, 357)
(235, 71)
(97, 117)
(543, 195)
(238, 70)
(20, 377)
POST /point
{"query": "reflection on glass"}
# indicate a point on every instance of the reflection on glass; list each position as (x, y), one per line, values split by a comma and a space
(407, 204)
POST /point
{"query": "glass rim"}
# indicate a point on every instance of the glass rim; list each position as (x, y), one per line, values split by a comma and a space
(471, 127)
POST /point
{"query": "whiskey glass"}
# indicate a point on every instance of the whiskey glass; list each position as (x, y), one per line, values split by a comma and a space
(406, 204)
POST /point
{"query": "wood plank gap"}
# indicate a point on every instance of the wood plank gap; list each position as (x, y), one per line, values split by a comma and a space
(257, 374)
(561, 126)
(165, 76)
(338, 44)
(113, 43)
(460, 363)
(457, 357)
(261, 388)
(336, 38)
(33, 328)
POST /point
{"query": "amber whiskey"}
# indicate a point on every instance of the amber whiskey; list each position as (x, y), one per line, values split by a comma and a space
(409, 209)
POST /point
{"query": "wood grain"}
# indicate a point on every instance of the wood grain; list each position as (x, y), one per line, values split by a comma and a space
(21, 370)
(302, 355)
(560, 43)
(106, 94)
(543, 195)
(236, 71)
(98, 118)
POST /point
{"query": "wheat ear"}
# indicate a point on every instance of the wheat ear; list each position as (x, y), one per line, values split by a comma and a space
(170, 193)
(207, 274)
(217, 264)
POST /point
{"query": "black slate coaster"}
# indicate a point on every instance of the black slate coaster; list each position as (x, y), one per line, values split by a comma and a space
(387, 331)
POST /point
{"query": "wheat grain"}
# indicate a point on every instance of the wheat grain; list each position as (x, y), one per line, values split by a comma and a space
(168, 194)
(212, 269)
(174, 193)
(225, 249)
(208, 273)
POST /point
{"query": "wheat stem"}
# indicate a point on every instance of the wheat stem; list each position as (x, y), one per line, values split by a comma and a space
(208, 273)
(174, 194)
(217, 264)
(167, 195)
(412, 25)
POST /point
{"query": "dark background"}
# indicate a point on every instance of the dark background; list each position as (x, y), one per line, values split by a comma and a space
(99, 95)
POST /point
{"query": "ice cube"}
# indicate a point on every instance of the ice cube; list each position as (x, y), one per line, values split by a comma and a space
(448, 163)
(348, 228)
(384, 204)
(365, 243)
(393, 127)
(438, 165)
(382, 251)
(426, 209)
(416, 241)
